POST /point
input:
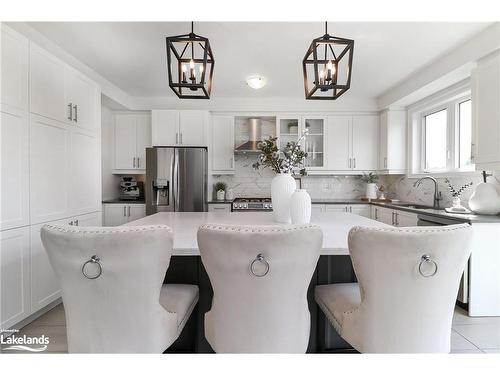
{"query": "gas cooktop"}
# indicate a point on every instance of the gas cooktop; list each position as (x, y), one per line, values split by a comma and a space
(254, 204)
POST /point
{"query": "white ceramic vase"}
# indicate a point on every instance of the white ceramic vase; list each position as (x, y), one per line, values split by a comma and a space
(300, 207)
(371, 191)
(282, 187)
(485, 200)
(221, 195)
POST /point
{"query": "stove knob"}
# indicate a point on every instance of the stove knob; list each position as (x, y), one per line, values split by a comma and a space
(270, 205)
(266, 206)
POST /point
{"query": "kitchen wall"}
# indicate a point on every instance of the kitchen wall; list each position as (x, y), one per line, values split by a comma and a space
(401, 187)
(247, 182)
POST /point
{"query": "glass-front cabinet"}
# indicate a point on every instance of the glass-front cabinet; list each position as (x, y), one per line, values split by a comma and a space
(291, 127)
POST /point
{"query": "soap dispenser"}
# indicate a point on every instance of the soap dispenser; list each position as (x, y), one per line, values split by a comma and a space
(486, 199)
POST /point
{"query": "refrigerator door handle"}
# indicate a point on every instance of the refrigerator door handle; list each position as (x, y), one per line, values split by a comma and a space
(176, 180)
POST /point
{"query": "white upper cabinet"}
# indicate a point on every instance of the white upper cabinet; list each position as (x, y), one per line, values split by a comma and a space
(85, 156)
(193, 128)
(49, 170)
(14, 138)
(392, 143)
(132, 137)
(165, 128)
(338, 142)
(15, 276)
(14, 63)
(179, 128)
(352, 143)
(222, 145)
(61, 93)
(47, 92)
(365, 142)
(81, 96)
(486, 113)
(143, 135)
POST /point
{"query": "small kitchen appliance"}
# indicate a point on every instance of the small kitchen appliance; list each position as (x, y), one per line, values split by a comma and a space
(130, 189)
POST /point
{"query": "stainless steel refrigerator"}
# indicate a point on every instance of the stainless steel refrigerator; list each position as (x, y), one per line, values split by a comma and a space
(176, 179)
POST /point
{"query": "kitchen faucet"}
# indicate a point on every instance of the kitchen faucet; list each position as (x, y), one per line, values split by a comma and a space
(437, 193)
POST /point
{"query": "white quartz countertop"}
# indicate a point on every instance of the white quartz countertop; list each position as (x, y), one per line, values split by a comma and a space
(185, 225)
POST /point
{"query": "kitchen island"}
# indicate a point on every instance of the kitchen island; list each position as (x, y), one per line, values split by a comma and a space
(334, 266)
(335, 226)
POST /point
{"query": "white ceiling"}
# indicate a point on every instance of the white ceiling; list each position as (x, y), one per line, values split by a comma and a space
(131, 55)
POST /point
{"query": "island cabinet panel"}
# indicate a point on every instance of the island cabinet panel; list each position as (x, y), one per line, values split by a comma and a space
(323, 337)
(332, 269)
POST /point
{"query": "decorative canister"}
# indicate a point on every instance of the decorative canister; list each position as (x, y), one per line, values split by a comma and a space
(220, 195)
(282, 187)
(300, 207)
(371, 191)
(229, 195)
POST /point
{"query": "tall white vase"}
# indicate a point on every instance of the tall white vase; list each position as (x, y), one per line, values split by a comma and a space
(371, 191)
(282, 188)
(300, 207)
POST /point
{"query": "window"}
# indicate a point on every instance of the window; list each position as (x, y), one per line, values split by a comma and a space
(443, 134)
(436, 145)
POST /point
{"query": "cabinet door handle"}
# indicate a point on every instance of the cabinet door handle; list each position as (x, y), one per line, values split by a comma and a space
(350, 209)
(138, 162)
(70, 116)
(176, 138)
(232, 162)
(349, 163)
(128, 211)
(134, 161)
(124, 210)
(376, 214)
(75, 107)
(396, 219)
(354, 160)
(181, 138)
(472, 145)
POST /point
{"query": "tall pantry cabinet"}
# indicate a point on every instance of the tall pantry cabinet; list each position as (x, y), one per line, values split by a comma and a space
(50, 161)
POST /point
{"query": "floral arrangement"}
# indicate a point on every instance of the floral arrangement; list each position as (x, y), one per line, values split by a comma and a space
(370, 178)
(220, 186)
(288, 160)
(456, 193)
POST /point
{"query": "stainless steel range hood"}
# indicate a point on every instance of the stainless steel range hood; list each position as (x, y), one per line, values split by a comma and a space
(254, 134)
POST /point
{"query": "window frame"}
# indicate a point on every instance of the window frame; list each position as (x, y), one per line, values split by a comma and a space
(449, 100)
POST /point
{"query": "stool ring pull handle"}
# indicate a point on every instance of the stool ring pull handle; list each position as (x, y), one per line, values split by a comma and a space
(426, 259)
(93, 260)
(260, 258)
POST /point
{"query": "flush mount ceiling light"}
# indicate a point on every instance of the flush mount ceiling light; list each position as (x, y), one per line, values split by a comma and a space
(190, 65)
(256, 82)
(327, 67)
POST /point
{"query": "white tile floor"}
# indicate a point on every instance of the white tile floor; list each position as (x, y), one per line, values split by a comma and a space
(468, 335)
(474, 335)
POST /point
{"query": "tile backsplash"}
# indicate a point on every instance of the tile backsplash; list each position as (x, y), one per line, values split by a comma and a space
(247, 182)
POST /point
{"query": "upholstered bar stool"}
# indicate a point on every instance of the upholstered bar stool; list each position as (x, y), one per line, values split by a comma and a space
(408, 282)
(112, 288)
(260, 276)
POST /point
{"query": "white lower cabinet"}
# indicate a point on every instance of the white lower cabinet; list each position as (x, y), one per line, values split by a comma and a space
(14, 148)
(394, 217)
(219, 207)
(120, 213)
(44, 285)
(15, 276)
(357, 209)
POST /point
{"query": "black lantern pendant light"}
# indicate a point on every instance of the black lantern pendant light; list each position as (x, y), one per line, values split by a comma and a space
(327, 67)
(190, 65)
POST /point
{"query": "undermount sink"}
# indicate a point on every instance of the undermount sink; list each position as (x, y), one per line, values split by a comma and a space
(415, 206)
